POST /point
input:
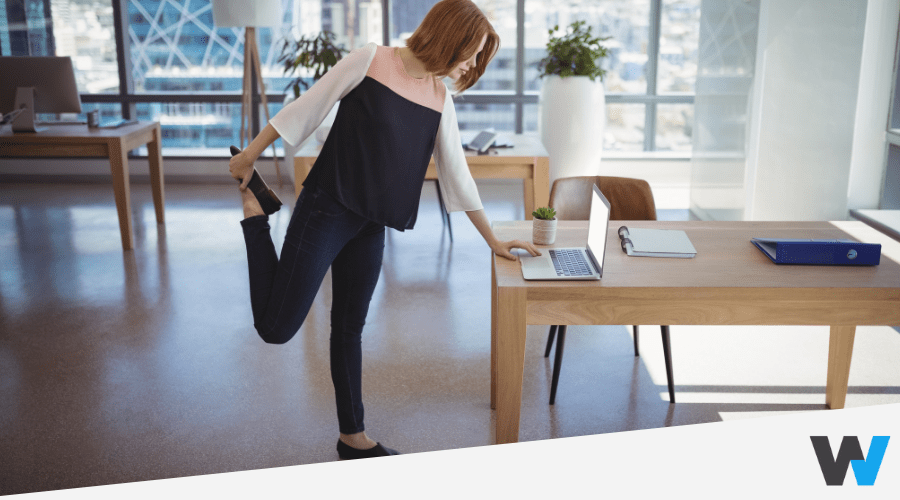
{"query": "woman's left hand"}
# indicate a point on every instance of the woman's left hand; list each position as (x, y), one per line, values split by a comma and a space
(502, 248)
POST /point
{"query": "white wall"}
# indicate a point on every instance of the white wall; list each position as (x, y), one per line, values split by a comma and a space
(804, 109)
(816, 112)
(815, 104)
(867, 160)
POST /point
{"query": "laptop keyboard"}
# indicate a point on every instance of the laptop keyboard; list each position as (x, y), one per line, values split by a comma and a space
(570, 263)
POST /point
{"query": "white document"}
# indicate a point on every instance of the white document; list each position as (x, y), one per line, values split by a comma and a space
(639, 242)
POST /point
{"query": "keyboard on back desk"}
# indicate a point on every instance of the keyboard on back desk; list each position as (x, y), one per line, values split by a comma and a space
(570, 263)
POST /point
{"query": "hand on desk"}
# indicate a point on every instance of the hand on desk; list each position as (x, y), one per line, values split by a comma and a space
(502, 248)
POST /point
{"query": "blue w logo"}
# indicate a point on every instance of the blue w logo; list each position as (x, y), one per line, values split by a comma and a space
(835, 468)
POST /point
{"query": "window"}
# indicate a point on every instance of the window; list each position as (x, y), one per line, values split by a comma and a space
(626, 22)
(82, 29)
(175, 45)
(183, 67)
(678, 46)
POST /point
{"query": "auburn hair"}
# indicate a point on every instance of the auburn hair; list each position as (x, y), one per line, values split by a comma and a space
(450, 33)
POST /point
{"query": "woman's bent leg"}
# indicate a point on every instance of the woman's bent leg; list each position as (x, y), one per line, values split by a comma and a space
(262, 262)
(354, 275)
(282, 290)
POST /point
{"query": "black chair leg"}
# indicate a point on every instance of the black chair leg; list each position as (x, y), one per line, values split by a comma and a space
(450, 228)
(557, 362)
(636, 352)
(445, 217)
(550, 341)
(667, 353)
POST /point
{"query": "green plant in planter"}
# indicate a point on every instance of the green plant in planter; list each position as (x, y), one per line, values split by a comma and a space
(545, 213)
(317, 53)
(574, 53)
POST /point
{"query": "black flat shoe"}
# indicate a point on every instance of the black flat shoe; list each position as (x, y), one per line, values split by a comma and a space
(265, 196)
(347, 452)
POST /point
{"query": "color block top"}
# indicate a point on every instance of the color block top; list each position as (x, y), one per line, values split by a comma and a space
(387, 128)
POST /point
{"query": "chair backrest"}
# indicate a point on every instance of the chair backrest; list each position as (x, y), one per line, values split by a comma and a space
(629, 199)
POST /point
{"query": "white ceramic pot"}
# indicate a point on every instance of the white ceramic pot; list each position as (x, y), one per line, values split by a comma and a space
(543, 231)
(573, 118)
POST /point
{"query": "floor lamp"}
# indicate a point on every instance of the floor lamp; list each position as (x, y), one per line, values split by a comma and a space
(250, 15)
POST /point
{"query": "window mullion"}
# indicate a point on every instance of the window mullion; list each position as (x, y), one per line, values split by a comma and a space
(386, 22)
(123, 56)
(652, 61)
(520, 65)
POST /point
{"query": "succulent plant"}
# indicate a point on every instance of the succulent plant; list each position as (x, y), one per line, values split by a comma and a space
(545, 213)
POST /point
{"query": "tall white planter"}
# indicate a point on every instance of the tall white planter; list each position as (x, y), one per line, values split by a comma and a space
(573, 118)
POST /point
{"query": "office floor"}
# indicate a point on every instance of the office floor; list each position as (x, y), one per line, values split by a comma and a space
(128, 366)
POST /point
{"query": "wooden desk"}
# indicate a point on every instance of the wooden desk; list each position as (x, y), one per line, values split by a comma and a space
(526, 160)
(77, 141)
(729, 282)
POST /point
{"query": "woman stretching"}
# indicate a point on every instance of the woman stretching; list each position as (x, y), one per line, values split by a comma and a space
(394, 114)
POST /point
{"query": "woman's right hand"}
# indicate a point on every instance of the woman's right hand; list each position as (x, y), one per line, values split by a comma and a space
(241, 168)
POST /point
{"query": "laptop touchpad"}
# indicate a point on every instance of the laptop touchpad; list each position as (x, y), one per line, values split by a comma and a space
(536, 263)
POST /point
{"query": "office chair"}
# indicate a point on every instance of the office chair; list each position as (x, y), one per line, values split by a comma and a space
(629, 199)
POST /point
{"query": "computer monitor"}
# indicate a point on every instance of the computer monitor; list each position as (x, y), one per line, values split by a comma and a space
(37, 85)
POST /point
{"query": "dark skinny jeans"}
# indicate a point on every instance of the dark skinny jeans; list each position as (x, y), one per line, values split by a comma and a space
(322, 233)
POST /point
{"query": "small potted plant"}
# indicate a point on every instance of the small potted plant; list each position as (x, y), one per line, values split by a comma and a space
(544, 226)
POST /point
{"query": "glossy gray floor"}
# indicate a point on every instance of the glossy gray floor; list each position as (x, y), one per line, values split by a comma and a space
(127, 366)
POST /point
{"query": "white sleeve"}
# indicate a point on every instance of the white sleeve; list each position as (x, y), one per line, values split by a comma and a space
(296, 121)
(457, 185)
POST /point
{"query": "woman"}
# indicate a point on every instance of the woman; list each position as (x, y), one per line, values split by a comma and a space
(395, 113)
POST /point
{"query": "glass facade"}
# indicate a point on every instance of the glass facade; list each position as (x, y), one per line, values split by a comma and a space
(171, 43)
(626, 22)
(678, 46)
(175, 49)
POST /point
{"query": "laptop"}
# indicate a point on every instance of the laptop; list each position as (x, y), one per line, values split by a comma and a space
(584, 263)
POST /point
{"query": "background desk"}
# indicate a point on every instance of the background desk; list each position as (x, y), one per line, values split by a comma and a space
(729, 282)
(74, 141)
(526, 160)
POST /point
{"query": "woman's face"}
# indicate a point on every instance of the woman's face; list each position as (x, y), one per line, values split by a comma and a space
(468, 64)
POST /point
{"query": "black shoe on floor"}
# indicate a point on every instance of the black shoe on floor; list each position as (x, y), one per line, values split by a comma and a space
(347, 452)
(267, 199)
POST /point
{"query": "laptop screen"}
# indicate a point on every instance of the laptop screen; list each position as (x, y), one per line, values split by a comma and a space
(597, 228)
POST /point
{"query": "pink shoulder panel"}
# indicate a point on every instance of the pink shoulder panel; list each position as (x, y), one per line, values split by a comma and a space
(387, 69)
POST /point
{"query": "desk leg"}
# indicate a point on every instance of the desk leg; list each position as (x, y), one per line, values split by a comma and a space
(528, 197)
(118, 162)
(493, 333)
(840, 350)
(154, 157)
(510, 362)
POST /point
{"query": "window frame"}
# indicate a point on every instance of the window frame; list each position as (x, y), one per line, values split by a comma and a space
(519, 97)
